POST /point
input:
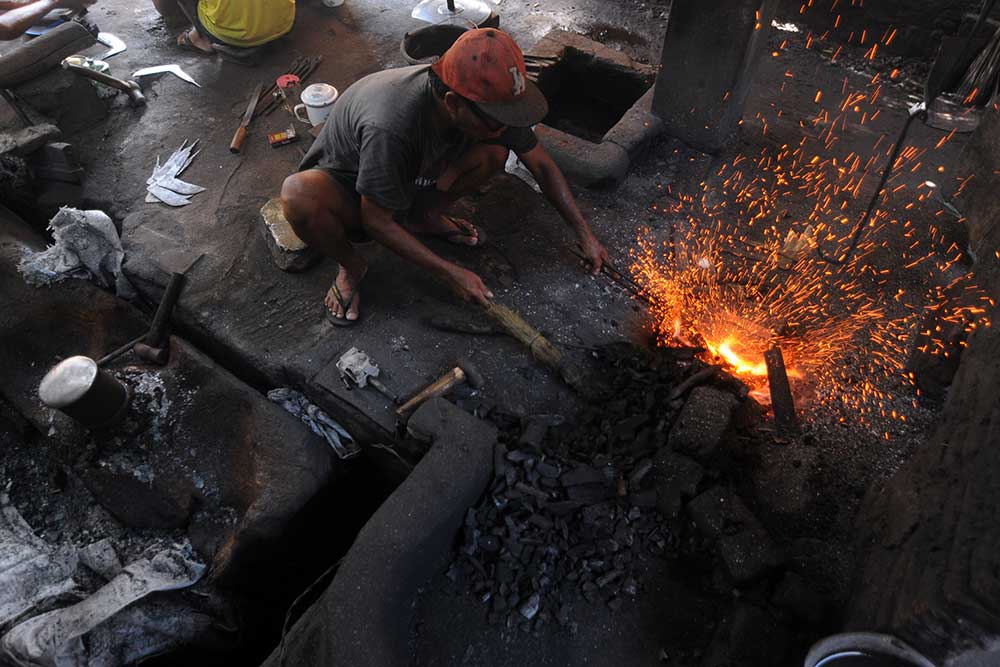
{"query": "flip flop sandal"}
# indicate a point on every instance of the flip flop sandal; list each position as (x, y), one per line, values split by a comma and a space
(184, 41)
(346, 305)
(461, 232)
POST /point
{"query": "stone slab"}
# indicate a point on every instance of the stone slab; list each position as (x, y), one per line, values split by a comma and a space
(703, 423)
(719, 512)
(363, 617)
(677, 478)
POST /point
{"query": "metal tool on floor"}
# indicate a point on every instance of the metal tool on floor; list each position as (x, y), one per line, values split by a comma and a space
(464, 371)
(241, 132)
(172, 68)
(130, 88)
(357, 367)
(114, 44)
(165, 186)
(155, 348)
(287, 91)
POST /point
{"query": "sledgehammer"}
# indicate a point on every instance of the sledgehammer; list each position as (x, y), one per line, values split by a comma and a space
(129, 87)
(155, 348)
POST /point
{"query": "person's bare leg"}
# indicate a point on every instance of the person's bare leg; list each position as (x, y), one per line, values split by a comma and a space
(324, 214)
(470, 171)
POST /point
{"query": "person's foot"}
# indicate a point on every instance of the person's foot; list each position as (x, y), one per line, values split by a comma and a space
(193, 40)
(449, 228)
(344, 297)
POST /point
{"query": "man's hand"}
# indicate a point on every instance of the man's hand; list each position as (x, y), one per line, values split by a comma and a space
(468, 285)
(594, 252)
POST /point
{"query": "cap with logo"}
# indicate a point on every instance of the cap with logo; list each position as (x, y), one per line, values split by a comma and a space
(486, 66)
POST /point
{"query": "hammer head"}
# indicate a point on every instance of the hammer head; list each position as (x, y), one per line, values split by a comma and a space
(472, 375)
(134, 93)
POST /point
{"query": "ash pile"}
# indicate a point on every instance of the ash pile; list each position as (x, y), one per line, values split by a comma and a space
(576, 510)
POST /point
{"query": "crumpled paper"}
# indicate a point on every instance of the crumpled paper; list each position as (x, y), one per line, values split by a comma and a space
(164, 186)
(318, 421)
(86, 246)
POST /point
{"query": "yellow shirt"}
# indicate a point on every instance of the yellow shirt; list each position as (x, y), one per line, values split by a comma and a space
(247, 22)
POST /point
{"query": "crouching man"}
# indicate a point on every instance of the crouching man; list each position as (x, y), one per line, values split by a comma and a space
(400, 146)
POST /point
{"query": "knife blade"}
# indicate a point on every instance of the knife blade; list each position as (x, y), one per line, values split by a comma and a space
(241, 132)
(114, 44)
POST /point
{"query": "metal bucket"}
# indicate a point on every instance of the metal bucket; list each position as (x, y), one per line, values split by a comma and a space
(427, 44)
(85, 392)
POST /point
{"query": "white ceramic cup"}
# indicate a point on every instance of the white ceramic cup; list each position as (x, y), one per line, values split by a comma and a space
(317, 101)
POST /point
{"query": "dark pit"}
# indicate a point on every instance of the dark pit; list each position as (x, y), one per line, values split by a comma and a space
(588, 96)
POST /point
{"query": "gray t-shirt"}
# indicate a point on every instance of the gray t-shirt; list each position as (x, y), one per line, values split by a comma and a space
(381, 136)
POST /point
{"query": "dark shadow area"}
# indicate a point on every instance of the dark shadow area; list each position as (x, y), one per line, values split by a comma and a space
(587, 97)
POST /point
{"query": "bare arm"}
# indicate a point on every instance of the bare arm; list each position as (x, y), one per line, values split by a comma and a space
(378, 222)
(556, 190)
(13, 23)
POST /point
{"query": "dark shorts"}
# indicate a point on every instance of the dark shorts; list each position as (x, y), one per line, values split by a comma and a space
(348, 180)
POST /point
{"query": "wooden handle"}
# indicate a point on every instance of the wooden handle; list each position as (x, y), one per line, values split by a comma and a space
(515, 325)
(238, 139)
(436, 388)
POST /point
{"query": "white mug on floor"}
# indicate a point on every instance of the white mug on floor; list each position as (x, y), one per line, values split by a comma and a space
(317, 101)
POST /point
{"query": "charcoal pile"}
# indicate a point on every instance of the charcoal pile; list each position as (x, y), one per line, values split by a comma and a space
(574, 510)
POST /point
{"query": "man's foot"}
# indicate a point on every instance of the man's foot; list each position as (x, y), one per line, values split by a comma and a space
(344, 297)
(451, 229)
(193, 40)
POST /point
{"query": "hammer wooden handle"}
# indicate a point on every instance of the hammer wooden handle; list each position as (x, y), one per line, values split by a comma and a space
(238, 139)
(440, 386)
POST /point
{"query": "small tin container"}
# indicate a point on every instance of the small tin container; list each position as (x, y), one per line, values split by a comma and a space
(79, 388)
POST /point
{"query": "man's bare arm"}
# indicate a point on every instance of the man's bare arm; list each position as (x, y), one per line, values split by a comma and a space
(13, 23)
(556, 190)
(379, 224)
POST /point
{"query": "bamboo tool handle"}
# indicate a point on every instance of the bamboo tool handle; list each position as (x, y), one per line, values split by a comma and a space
(440, 386)
(516, 326)
(539, 345)
(238, 139)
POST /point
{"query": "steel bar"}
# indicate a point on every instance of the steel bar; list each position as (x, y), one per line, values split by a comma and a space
(781, 391)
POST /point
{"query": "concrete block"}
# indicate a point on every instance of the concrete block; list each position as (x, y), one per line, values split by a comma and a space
(70, 100)
(677, 478)
(978, 201)
(709, 53)
(719, 512)
(28, 140)
(703, 422)
(363, 617)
